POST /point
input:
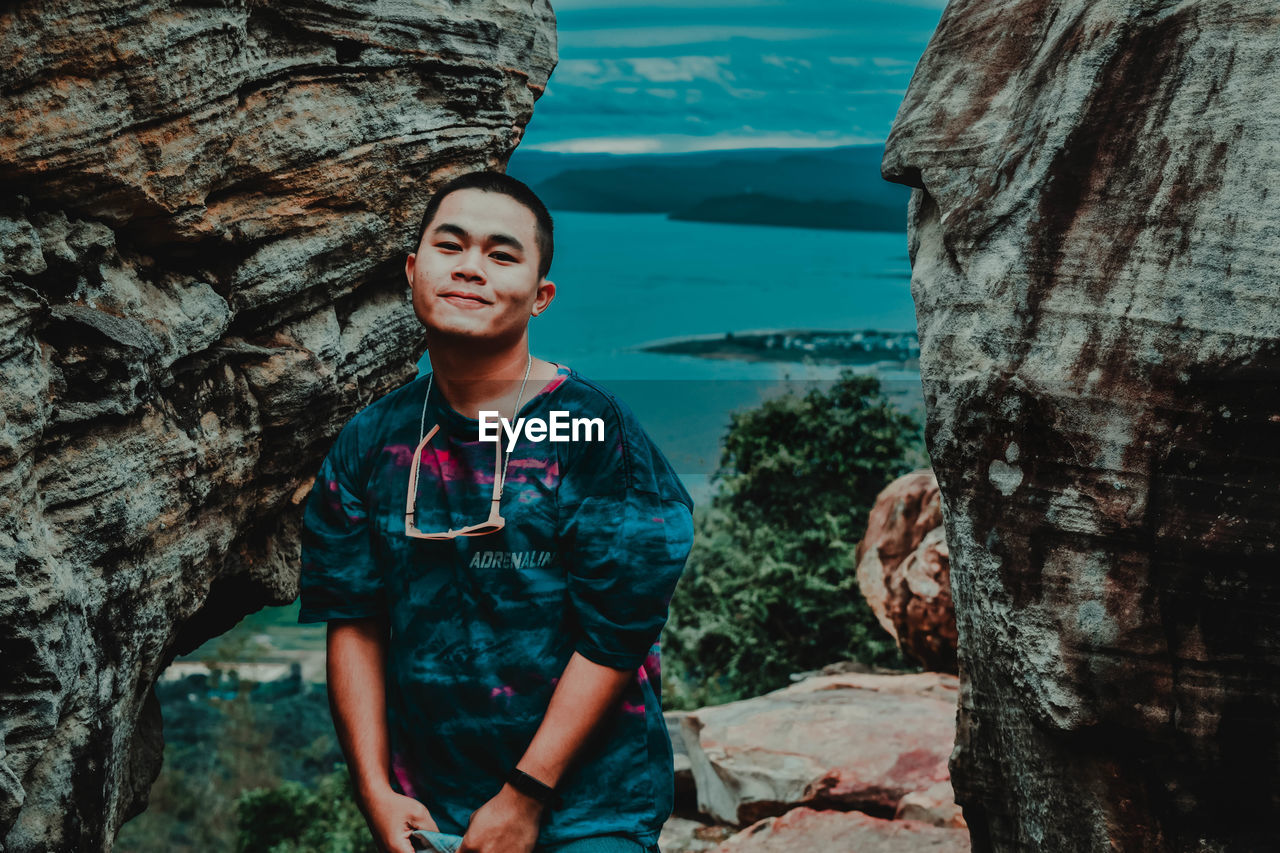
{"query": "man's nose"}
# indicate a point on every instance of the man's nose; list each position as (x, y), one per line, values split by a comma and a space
(469, 266)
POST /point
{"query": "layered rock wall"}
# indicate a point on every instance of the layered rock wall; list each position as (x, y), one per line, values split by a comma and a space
(204, 213)
(1094, 246)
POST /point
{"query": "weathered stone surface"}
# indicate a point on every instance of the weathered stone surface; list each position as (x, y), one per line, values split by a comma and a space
(904, 570)
(685, 793)
(806, 830)
(681, 835)
(936, 806)
(203, 223)
(1094, 251)
(849, 741)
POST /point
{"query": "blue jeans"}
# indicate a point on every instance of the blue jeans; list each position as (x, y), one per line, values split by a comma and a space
(599, 844)
(445, 843)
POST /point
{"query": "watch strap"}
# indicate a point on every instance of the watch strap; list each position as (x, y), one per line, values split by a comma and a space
(540, 791)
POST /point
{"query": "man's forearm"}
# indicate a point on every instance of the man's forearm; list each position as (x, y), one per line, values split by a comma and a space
(585, 693)
(357, 700)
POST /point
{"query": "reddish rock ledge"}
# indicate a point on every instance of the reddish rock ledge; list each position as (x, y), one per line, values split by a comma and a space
(806, 830)
(848, 741)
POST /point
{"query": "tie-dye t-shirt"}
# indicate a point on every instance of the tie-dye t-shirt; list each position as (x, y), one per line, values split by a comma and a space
(596, 537)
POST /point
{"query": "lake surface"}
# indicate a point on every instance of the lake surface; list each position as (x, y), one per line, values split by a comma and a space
(627, 279)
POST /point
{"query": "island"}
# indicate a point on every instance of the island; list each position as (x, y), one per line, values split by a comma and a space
(764, 209)
(832, 188)
(823, 347)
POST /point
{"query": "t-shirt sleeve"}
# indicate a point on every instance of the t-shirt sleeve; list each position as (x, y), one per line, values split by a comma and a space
(340, 577)
(626, 533)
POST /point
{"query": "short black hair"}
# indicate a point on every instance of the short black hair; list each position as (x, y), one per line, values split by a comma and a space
(498, 182)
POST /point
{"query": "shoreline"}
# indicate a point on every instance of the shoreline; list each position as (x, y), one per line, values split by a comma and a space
(865, 346)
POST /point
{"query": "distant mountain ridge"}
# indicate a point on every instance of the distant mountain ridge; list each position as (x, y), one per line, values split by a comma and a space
(761, 209)
(812, 188)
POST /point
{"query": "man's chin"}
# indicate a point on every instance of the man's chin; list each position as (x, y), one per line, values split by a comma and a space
(469, 335)
(451, 325)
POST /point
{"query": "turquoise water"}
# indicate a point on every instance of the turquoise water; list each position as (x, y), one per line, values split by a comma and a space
(624, 280)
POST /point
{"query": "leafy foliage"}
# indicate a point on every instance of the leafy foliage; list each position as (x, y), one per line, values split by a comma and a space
(770, 588)
(224, 736)
(293, 818)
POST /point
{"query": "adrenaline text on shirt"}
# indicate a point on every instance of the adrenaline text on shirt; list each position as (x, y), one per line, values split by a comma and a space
(559, 428)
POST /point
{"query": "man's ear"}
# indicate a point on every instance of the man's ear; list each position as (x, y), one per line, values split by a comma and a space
(546, 292)
(408, 267)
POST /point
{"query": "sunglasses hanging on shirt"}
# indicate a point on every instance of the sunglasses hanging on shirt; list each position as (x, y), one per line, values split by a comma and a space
(495, 521)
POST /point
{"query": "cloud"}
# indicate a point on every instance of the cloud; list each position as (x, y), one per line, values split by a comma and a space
(801, 72)
(682, 69)
(639, 70)
(649, 37)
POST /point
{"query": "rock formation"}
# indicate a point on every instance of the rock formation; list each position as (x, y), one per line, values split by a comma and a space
(842, 760)
(806, 830)
(1093, 242)
(841, 742)
(203, 224)
(681, 835)
(904, 570)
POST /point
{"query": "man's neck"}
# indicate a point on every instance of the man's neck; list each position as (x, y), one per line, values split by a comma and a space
(472, 382)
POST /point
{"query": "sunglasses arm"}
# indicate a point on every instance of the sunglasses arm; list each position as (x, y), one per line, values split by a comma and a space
(413, 475)
(498, 485)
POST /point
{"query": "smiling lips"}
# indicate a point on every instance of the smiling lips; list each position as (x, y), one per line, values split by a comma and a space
(458, 297)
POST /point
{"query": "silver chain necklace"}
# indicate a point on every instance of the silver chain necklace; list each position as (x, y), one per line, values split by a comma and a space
(422, 427)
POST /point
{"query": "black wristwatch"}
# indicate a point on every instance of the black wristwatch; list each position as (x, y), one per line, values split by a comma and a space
(526, 784)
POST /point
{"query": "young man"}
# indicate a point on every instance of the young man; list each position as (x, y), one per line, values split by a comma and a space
(494, 610)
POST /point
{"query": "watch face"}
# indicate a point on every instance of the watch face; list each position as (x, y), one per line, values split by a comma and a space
(439, 842)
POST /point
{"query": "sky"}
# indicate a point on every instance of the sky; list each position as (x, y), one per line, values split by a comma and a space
(686, 75)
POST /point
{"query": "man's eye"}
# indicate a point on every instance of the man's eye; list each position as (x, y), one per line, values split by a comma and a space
(447, 245)
(502, 256)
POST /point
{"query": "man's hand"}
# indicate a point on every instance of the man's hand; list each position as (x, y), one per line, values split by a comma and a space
(506, 824)
(392, 817)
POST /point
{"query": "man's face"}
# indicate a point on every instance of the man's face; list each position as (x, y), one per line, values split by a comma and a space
(475, 274)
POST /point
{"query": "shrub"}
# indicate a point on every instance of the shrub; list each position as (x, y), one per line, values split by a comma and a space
(293, 818)
(770, 588)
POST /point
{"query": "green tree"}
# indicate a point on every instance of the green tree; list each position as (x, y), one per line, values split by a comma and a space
(219, 740)
(770, 588)
(293, 818)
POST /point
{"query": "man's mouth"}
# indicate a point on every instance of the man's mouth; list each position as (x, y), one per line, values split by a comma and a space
(458, 297)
